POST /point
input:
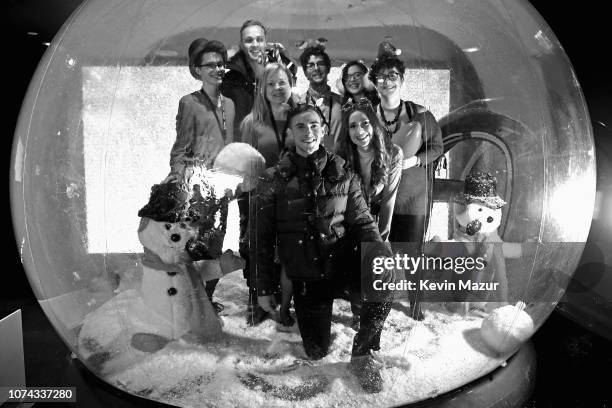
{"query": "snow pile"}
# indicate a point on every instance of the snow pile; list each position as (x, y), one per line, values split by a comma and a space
(261, 367)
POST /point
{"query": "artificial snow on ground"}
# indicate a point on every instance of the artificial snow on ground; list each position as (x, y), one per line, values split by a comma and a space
(256, 366)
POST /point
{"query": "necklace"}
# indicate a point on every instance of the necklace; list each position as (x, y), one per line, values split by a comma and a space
(395, 121)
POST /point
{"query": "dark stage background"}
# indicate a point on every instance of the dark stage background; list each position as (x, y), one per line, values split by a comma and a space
(574, 364)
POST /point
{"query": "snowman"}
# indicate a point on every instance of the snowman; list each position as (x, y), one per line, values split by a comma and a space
(182, 229)
(478, 215)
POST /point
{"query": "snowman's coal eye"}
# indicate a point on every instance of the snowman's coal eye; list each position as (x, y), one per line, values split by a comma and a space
(489, 219)
(480, 209)
(168, 226)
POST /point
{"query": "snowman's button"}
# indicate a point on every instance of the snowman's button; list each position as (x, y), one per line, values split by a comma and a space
(489, 219)
(172, 291)
(170, 273)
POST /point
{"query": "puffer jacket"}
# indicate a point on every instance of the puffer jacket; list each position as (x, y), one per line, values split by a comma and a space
(314, 210)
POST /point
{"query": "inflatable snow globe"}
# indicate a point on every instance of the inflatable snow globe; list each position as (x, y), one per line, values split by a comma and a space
(121, 261)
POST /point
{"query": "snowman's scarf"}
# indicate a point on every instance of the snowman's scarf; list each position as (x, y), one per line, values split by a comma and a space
(151, 260)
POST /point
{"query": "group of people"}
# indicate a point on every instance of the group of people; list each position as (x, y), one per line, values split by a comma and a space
(342, 169)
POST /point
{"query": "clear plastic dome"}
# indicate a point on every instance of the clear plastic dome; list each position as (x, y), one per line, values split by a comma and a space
(97, 125)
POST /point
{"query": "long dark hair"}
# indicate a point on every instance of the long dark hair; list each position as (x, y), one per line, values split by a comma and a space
(380, 142)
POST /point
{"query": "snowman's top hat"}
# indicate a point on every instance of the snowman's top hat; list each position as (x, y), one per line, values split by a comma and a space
(480, 187)
(168, 203)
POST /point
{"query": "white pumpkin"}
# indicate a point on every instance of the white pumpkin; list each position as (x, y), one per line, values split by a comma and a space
(506, 328)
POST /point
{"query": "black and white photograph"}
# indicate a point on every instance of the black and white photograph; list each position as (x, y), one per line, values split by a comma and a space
(347, 203)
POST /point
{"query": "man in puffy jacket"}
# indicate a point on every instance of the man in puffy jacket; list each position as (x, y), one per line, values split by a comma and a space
(311, 206)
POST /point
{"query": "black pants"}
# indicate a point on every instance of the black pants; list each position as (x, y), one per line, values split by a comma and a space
(313, 307)
(243, 246)
(410, 228)
(407, 228)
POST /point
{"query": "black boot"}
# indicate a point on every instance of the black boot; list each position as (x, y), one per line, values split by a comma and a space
(367, 371)
(255, 314)
(286, 321)
(210, 290)
(363, 365)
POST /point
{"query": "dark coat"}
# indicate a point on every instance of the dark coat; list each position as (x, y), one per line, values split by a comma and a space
(314, 210)
(239, 85)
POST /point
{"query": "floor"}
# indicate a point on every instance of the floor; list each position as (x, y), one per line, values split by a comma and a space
(571, 362)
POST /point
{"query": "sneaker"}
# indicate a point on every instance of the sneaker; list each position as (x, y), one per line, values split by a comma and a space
(367, 371)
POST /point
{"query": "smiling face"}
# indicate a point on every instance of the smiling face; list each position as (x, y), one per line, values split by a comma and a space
(360, 130)
(354, 80)
(211, 68)
(253, 42)
(278, 87)
(316, 70)
(388, 81)
(307, 132)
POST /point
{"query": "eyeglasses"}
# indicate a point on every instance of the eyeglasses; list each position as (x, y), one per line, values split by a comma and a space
(213, 65)
(313, 65)
(354, 77)
(391, 76)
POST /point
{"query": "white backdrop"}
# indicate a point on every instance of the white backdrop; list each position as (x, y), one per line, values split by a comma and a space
(129, 128)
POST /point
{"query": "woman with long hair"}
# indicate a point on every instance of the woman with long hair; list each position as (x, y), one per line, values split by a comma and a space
(265, 128)
(378, 161)
(374, 157)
